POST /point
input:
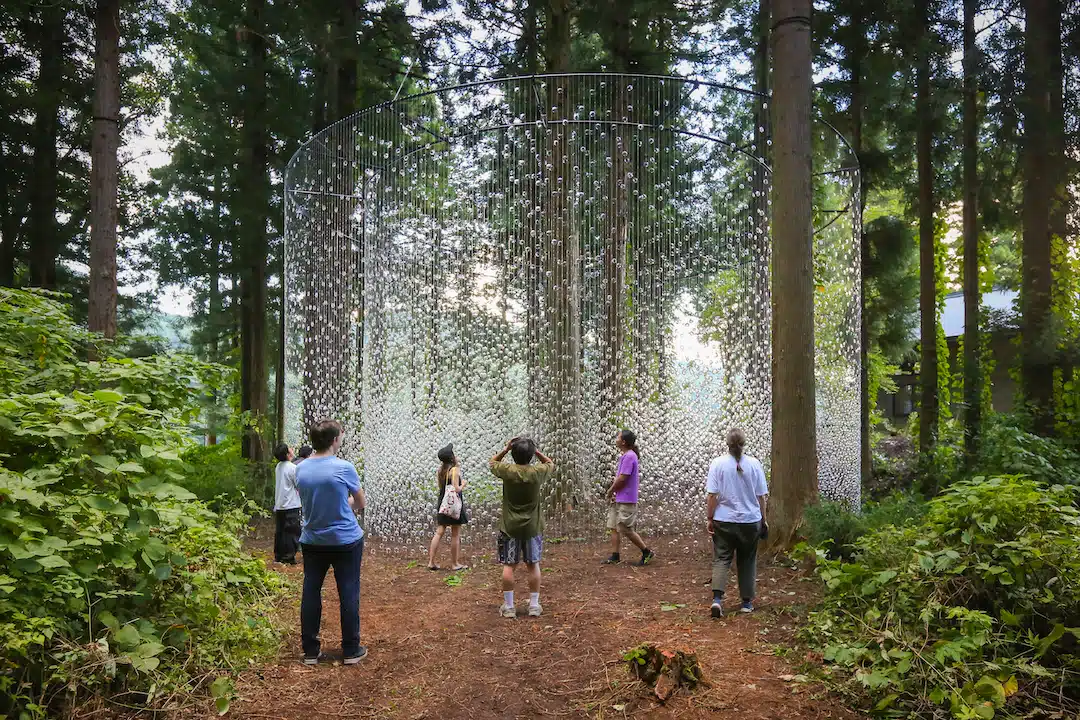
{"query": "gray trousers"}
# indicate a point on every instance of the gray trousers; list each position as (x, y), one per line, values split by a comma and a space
(738, 542)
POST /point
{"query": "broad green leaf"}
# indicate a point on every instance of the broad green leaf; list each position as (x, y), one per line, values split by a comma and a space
(130, 467)
(108, 396)
(106, 462)
(127, 637)
(99, 502)
(107, 619)
(148, 649)
(1044, 644)
(53, 561)
(163, 571)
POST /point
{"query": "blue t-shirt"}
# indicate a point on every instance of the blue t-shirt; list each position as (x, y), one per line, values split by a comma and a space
(325, 484)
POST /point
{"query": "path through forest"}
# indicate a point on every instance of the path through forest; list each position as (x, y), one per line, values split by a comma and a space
(441, 651)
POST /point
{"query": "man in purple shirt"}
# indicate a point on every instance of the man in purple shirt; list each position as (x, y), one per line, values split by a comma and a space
(623, 496)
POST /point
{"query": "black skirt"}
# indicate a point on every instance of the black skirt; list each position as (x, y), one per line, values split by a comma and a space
(446, 520)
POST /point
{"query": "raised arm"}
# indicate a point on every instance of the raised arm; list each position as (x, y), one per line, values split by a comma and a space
(544, 458)
(498, 457)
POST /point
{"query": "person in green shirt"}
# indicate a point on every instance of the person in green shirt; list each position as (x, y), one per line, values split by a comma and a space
(521, 524)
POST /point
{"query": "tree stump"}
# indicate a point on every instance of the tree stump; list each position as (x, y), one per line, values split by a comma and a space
(664, 670)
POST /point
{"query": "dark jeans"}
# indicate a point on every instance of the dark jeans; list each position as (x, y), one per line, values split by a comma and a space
(736, 541)
(286, 535)
(318, 559)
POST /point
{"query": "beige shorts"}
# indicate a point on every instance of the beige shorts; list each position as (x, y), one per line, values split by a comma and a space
(622, 514)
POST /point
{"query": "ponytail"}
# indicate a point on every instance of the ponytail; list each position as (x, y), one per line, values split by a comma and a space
(736, 441)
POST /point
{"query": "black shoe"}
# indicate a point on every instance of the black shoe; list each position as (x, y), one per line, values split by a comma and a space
(613, 559)
(353, 659)
(646, 557)
(316, 659)
(716, 610)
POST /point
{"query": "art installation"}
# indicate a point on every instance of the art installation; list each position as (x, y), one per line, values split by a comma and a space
(559, 256)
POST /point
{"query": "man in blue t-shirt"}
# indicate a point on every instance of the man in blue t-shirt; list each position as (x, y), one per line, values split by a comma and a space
(329, 490)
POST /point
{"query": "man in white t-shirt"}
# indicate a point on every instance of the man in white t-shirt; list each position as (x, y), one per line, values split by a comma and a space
(737, 501)
(286, 507)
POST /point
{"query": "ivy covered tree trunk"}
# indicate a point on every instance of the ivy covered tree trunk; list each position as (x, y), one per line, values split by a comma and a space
(794, 421)
(972, 291)
(255, 184)
(856, 55)
(42, 231)
(928, 321)
(1043, 18)
(105, 170)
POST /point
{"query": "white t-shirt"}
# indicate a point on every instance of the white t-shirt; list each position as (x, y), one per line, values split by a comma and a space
(286, 496)
(738, 492)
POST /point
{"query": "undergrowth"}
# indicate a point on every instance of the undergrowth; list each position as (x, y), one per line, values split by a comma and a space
(970, 611)
(117, 584)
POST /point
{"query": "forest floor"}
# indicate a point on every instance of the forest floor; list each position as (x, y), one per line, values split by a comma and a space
(438, 648)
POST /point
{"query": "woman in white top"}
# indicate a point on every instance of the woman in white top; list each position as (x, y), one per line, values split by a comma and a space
(737, 499)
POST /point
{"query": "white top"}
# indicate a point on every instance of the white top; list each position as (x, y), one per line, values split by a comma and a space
(738, 491)
(286, 496)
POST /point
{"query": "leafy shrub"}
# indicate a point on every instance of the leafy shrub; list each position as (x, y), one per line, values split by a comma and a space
(836, 528)
(1008, 449)
(217, 475)
(114, 578)
(972, 611)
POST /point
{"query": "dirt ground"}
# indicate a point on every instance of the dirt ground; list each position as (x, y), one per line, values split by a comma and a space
(440, 650)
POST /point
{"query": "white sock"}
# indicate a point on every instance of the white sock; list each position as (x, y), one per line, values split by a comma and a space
(508, 598)
(534, 599)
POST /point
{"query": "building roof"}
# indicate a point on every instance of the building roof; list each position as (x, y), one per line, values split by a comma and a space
(952, 315)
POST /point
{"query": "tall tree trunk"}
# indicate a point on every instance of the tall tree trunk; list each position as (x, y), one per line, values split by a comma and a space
(1039, 347)
(42, 229)
(857, 56)
(1059, 201)
(613, 373)
(972, 290)
(10, 199)
(562, 287)
(928, 363)
(348, 60)
(253, 237)
(214, 307)
(105, 170)
(794, 421)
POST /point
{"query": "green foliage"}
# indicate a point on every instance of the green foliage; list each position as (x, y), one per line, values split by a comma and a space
(970, 611)
(116, 579)
(836, 528)
(1009, 449)
(218, 476)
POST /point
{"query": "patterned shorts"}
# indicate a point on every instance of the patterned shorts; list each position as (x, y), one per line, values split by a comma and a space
(513, 550)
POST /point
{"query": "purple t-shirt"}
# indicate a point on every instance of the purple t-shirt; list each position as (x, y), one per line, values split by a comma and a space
(628, 465)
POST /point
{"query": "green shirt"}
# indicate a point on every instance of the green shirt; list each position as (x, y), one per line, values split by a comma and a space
(521, 517)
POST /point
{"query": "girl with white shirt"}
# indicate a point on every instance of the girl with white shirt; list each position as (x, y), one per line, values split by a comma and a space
(737, 500)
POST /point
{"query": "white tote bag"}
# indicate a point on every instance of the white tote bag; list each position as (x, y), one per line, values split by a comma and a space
(451, 502)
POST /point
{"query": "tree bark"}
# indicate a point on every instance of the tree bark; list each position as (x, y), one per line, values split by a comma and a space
(253, 237)
(857, 55)
(348, 51)
(563, 261)
(10, 220)
(1059, 200)
(972, 290)
(1040, 48)
(928, 364)
(105, 170)
(794, 421)
(42, 229)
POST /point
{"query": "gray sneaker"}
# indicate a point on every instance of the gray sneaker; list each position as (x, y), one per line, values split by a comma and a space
(508, 612)
(535, 610)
